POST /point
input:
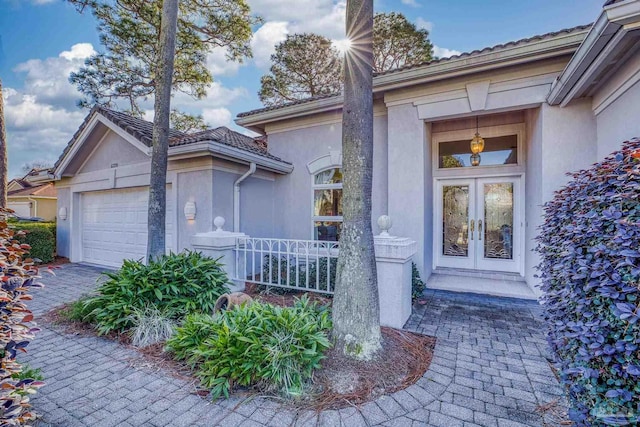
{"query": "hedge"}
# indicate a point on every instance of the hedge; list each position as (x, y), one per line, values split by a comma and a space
(41, 236)
(590, 270)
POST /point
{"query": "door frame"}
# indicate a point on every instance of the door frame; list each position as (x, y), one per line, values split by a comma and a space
(519, 206)
(440, 259)
(517, 219)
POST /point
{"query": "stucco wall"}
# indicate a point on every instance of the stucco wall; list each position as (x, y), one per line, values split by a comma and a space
(292, 193)
(619, 122)
(410, 184)
(64, 227)
(113, 149)
(569, 143)
(256, 203)
(196, 186)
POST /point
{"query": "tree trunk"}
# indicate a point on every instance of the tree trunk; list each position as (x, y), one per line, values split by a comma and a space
(162, 111)
(3, 154)
(356, 310)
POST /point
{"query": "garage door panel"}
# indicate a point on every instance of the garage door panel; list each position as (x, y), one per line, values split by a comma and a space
(114, 226)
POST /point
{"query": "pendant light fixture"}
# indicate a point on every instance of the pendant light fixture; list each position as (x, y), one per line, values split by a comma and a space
(477, 146)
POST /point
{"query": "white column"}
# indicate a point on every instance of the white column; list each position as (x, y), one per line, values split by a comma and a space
(393, 262)
(409, 178)
(221, 244)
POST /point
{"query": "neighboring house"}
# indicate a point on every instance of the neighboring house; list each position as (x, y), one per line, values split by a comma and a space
(545, 106)
(33, 195)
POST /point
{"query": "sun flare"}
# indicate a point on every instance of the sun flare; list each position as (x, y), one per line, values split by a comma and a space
(342, 46)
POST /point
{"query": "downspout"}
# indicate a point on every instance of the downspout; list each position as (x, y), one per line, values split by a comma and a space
(236, 196)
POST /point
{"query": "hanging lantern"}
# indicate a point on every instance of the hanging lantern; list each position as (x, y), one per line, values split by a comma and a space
(475, 159)
(477, 143)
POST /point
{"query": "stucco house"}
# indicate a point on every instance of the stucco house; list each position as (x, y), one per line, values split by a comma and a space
(33, 195)
(544, 106)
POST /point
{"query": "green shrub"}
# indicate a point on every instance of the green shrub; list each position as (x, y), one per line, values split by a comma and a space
(276, 348)
(78, 310)
(28, 372)
(40, 237)
(590, 269)
(417, 284)
(17, 279)
(175, 284)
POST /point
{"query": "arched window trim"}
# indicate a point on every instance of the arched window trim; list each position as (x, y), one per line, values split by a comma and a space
(318, 166)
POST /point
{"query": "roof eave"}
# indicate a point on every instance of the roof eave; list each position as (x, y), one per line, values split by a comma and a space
(230, 153)
(608, 32)
(559, 45)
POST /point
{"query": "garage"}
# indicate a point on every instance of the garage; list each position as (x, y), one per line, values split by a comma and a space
(114, 225)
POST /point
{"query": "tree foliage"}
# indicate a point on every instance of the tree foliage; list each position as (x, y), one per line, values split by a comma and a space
(304, 65)
(308, 65)
(398, 42)
(186, 122)
(130, 33)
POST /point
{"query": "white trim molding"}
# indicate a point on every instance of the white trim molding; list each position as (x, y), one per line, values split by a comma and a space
(610, 42)
(333, 159)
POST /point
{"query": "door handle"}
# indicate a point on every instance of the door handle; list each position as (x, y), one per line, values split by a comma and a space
(472, 227)
(479, 229)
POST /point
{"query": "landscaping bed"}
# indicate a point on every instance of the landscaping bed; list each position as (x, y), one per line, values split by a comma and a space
(279, 345)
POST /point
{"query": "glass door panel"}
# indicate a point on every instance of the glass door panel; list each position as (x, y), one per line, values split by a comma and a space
(498, 211)
(455, 224)
(498, 220)
(478, 224)
(455, 208)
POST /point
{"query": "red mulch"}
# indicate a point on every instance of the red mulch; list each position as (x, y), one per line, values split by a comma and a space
(343, 382)
(58, 261)
(286, 299)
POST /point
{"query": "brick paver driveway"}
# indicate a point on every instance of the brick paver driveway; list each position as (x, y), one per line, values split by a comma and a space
(489, 369)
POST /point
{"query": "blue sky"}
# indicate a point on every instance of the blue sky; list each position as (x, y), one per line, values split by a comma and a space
(42, 41)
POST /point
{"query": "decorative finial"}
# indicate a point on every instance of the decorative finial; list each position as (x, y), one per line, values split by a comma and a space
(219, 223)
(384, 223)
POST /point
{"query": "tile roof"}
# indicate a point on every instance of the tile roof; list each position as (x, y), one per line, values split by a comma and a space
(230, 138)
(43, 190)
(142, 130)
(428, 63)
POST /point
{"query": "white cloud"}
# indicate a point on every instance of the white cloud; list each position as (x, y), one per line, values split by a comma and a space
(423, 24)
(48, 80)
(78, 51)
(215, 117)
(36, 131)
(41, 116)
(443, 52)
(39, 2)
(265, 39)
(412, 3)
(325, 17)
(219, 65)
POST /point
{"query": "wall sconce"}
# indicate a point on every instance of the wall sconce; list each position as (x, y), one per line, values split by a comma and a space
(62, 214)
(190, 211)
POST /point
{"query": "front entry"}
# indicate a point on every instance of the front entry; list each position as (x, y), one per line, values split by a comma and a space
(478, 224)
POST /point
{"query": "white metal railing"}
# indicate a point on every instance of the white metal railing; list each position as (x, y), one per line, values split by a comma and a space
(306, 265)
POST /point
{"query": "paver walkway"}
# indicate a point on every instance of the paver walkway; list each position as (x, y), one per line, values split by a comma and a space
(489, 369)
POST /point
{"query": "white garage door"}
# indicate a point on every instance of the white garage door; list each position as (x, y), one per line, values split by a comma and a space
(114, 225)
(22, 209)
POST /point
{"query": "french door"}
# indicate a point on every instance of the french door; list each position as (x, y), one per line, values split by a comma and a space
(478, 224)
